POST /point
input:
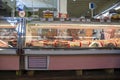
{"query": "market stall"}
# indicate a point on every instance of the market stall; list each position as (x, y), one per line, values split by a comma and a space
(71, 46)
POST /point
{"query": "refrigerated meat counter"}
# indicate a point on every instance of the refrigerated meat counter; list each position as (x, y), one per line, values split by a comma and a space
(9, 59)
(71, 45)
(58, 45)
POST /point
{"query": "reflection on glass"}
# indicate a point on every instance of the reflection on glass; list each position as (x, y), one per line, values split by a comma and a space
(8, 34)
(72, 36)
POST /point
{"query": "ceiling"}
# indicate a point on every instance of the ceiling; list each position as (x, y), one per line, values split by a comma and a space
(32, 3)
(75, 8)
(39, 3)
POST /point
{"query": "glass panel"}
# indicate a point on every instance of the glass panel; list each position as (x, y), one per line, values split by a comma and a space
(65, 35)
(8, 33)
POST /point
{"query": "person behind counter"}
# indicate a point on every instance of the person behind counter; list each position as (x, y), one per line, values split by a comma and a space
(102, 35)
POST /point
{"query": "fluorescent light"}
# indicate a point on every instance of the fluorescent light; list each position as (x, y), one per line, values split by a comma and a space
(106, 14)
(74, 0)
(117, 8)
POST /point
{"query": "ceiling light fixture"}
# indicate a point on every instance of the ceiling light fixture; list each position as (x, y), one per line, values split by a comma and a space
(74, 0)
(117, 8)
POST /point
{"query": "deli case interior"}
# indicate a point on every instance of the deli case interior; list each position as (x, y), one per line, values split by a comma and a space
(71, 45)
(72, 35)
(8, 45)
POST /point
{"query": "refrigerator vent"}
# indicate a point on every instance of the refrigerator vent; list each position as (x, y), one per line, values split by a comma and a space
(37, 62)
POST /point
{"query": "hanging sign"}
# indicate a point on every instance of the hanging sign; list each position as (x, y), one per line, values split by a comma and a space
(19, 5)
(22, 13)
(48, 14)
(91, 5)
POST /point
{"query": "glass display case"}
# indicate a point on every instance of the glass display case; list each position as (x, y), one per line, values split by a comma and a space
(9, 44)
(68, 45)
(8, 33)
(69, 35)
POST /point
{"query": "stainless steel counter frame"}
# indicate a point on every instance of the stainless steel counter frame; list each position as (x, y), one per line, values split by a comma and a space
(7, 51)
(70, 52)
(78, 59)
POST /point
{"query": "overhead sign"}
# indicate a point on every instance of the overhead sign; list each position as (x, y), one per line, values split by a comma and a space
(48, 14)
(91, 5)
(19, 5)
(22, 13)
(63, 15)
